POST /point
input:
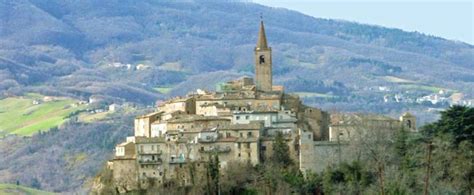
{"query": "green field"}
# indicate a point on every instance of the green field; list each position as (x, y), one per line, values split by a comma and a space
(11, 189)
(422, 88)
(88, 117)
(18, 115)
(163, 90)
(394, 79)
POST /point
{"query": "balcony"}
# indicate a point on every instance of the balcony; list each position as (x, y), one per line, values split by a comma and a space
(150, 161)
(153, 152)
(286, 120)
(177, 160)
(216, 150)
(201, 140)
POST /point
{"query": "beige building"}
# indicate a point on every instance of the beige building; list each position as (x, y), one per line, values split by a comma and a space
(238, 122)
(143, 123)
(186, 105)
(348, 127)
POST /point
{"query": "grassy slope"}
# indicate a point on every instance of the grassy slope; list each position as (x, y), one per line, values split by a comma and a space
(19, 116)
(11, 189)
(163, 90)
(89, 118)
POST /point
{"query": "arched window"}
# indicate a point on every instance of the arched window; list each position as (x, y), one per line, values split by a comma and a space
(261, 59)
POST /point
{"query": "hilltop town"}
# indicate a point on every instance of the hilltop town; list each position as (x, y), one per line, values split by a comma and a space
(238, 122)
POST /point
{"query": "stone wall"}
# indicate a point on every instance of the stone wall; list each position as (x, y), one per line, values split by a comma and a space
(124, 173)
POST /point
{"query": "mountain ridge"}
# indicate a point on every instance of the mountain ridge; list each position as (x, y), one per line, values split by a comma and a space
(82, 49)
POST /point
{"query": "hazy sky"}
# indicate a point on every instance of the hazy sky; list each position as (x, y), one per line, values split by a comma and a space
(450, 19)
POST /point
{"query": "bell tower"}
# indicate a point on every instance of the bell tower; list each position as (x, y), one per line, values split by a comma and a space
(263, 62)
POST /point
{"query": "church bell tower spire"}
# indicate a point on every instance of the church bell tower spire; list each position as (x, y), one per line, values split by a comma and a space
(262, 38)
(263, 62)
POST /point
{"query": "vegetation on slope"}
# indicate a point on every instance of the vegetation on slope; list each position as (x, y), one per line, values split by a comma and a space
(64, 159)
(19, 115)
(64, 48)
(88, 47)
(437, 160)
(12, 189)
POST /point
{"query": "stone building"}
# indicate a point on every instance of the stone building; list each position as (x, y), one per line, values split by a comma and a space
(143, 123)
(238, 122)
(263, 62)
(348, 127)
(186, 105)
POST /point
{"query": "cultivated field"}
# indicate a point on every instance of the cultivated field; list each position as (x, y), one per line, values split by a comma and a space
(22, 116)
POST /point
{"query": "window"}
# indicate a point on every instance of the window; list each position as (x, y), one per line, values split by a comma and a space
(248, 145)
(249, 154)
(241, 134)
(249, 134)
(239, 154)
(152, 147)
(238, 145)
(237, 117)
(247, 117)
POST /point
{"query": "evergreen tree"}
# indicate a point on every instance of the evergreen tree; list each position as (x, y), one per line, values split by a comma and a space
(457, 121)
(213, 175)
(452, 139)
(281, 151)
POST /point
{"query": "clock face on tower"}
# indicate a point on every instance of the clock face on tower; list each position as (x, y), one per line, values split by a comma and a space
(261, 59)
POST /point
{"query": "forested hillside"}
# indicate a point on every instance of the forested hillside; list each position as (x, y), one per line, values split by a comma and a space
(148, 50)
(82, 48)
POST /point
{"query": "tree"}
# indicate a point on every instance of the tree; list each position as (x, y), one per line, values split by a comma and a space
(451, 165)
(457, 121)
(213, 175)
(237, 177)
(351, 178)
(281, 151)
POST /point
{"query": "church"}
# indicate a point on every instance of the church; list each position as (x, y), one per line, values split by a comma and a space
(238, 122)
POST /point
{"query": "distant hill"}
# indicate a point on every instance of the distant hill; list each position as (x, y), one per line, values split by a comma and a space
(68, 46)
(141, 51)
